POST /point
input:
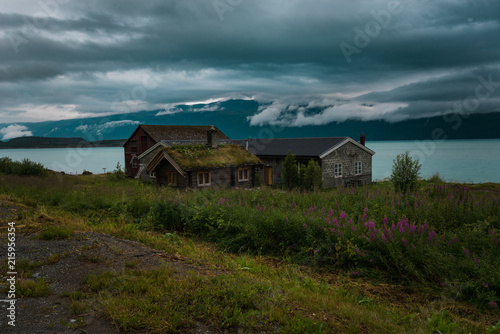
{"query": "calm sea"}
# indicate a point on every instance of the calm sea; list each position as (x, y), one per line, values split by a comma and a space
(473, 161)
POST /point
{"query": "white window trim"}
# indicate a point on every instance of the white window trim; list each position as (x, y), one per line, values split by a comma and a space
(205, 184)
(152, 174)
(335, 168)
(247, 172)
(358, 168)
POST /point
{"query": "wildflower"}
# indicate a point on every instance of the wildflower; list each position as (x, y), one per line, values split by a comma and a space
(485, 284)
(305, 225)
(443, 284)
(384, 239)
(493, 304)
(364, 217)
(365, 210)
(359, 252)
(355, 273)
(432, 235)
(476, 260)
(403, 241)
(342, 215)
(370, 225)
(385, 220)
(353, 228)
(293, 204)
(315, 251)
(466, 252)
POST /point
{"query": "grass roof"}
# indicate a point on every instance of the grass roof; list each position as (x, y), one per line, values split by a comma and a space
(199, 156)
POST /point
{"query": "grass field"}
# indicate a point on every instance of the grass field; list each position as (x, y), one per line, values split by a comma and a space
(343, 260)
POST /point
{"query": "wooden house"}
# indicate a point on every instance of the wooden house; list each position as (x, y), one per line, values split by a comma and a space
(204, 165)
(146, 136)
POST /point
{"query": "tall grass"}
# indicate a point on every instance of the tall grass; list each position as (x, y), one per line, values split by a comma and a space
(440, 236)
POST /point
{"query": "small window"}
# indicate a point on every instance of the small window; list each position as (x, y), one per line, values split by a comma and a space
(152, 175)
(172, 178)
(203, 179)
(133, 143)
(134, 163)
(338, 170)
(242, 174)
(357, 168)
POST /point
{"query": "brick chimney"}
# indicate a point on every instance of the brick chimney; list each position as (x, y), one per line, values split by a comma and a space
(212, 137)
(362, 139)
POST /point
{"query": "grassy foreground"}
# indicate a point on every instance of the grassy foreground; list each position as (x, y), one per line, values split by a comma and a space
(344, 260)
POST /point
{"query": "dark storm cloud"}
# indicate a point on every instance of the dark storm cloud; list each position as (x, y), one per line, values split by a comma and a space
(423, 56)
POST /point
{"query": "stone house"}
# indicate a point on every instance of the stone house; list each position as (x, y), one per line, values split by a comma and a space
(146, 140)
(204, 166)
(344, 161)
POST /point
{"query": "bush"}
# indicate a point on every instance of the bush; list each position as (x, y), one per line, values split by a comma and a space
(118, 173)
(290, 172)
(313, 176)
(24, 168)
(405, 172)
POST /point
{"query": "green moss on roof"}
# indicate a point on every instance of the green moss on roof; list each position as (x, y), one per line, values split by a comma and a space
(198, 156)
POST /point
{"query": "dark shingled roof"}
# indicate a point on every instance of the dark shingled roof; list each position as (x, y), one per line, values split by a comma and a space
(179, 132)
(307, 147)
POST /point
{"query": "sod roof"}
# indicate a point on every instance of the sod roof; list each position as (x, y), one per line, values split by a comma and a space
(200, 156)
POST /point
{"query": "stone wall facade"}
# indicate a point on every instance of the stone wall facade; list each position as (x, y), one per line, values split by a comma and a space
(347, 155)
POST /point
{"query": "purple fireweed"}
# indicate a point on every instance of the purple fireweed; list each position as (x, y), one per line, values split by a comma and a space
(305, 225)
(466, 252)
(364, 217)
(432, 235)
(342, 215)
(493, 304)
(370, 225)
(485, 284)
(403, 241)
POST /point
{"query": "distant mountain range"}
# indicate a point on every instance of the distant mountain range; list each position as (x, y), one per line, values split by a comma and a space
(53, 142)
(231, 118)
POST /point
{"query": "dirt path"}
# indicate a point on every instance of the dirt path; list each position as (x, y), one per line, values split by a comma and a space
(64, 264)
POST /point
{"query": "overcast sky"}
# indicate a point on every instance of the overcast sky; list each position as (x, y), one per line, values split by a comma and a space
(364, 59)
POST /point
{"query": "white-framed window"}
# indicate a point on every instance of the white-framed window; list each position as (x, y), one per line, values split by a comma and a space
(358, 169)
(243, 174)
(152, 175)
(203, 179)
(337, 170)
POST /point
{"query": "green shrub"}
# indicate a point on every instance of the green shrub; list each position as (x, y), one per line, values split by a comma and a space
(313, 176)
(290, 171)
(23, 168)
(405, 172)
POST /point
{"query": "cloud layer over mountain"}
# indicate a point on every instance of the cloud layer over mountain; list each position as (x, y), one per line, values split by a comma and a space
(306, 62)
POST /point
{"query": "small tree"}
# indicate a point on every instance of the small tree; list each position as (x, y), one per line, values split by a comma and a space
(290, 171)
(405, 172)
(313, 176)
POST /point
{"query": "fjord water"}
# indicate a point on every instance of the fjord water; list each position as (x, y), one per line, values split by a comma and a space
(471, 161)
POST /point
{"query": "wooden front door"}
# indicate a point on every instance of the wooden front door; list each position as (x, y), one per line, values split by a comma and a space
(268, 175)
